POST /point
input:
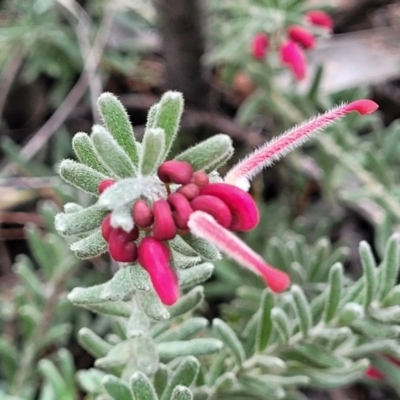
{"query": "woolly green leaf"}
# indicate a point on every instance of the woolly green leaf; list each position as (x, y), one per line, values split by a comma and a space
(91, 246)
(152, 305)
(117, 123)
(375, 329)
(71, 207)
(160, 379)
(86, 295)
(25, 270)
(260, 387)
(153, 148)
(350, 312)
(389, 369)
(331, 334)
(142, 388)
(385, 346)
(184, 330)
(151, 116)
(297, 380)
(116, 308)
(225, 382)
(40, 250)
(168, 117)
(391, 265)
(10, 358)
(195, 275)
(67, 367)
(139, 277)
(272, 363)
(84, 150)
(185, 374)
(124, 191)
(205, 249)
(80, 222)
(93, 343)
(116, 388)
(187, 302)
(389, 315)
(315, 356)
(118, 287)
(302, 309)
(277, 254)
(181, 393)
(320, 252)
(393, 298)
(226, 334)
(369, 268)
(81, 176)
(281, 322)
(138, 323)
(264, 324)
(49, 371)
(90, 380)
(181, 261)
(195, 347)
(334, 292)
(182, 247)
(209, 154)
(335, 377)
(111, 153)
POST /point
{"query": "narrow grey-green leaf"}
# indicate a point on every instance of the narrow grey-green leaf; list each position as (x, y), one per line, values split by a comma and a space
(264, 323)
(84, 150)
(116, 388)
(142, 388)
(168, 117)
(334, 292)
(139, 277)
(187, 302)
(161, 379)
(209, 154)
(115, 308)
(151, 116)
(82, 221)
(81, 176)
(379, 346)
(152, 305)
(118, 287)
(138, 323)
(111, 153)
(181, 246)
(91, 246)
(195, 275)
(183, 331)
(350, 312)
(153, 148)
(302, 309)
(226, 334)
(117, 122)
(272, 363)
(321, 250)
(181, 393)
(369, 268)
(281, 322)
(391, 265)
(185, 374)
(53, 376)
(205, 249)
(93, 343)
(195, 347)
(26, 271)
(72, 207)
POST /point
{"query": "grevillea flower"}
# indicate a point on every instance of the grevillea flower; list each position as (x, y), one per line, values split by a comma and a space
(292, 55)
(302, 36)
(148, 208)
(259, 46)
(320, 18)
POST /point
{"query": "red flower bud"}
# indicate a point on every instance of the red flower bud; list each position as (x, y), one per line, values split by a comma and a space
(200, 178)
(301, 36)
(320, 18)
(175, 171)
(164, 226)
(215, 207)
(103, 185)
(190, 191)
(245, 215)
(259, 46)
(121, 245)
(153, 256)
(142, 214)
(293, 56)
(181, 209)
(106, 227)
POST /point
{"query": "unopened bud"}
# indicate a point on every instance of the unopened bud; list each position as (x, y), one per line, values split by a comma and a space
(175, 172)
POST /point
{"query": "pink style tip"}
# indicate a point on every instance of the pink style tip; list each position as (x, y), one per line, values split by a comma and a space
(244, 210)
(259, 46)
(293, 56)
(320, 18)
(363, 106)
(302, 36)
(204, 226)
(154, 256)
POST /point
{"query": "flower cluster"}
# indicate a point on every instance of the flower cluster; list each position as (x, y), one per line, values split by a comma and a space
(149, 208)
(291, 46)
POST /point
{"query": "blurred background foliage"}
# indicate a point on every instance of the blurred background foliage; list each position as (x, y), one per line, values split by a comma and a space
(317, 205)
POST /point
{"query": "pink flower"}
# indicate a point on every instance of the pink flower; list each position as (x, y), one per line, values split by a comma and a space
(320, 18)
(301, 36)
(292, 56)
(259, 46)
